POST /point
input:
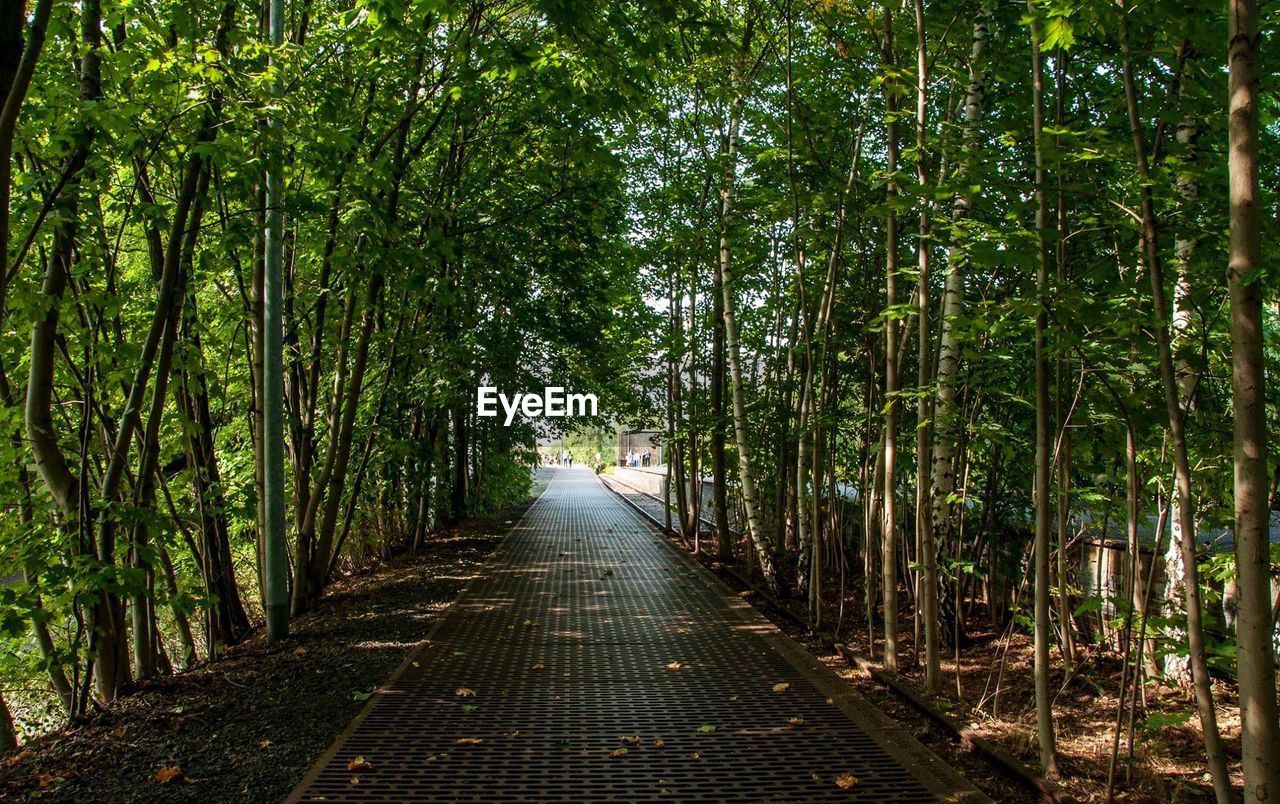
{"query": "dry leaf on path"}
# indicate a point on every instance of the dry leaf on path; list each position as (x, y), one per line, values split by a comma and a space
(632, 740)
(781, 686)
(465, 692)
(796, 721)
(166, 775)
(620, 752)
(674, 665)
(359, 764)
(846, 781)
(469, 741)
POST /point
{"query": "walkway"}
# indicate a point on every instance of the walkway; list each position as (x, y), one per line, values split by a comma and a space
(594, 662)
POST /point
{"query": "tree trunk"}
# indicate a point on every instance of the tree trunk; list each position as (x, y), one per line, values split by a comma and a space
(1044, 705)
(927, 597)
(1182, 468)
(746, 476)
(889, 530)
(719, 422)
(946, 435)
(1255, 624)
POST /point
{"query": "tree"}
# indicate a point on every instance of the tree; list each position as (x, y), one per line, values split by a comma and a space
(1252, 526)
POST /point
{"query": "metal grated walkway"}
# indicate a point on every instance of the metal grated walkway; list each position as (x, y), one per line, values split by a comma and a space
(586, 632)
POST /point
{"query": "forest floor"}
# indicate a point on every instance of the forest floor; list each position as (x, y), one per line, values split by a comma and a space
(249, 726)
(1168, 757)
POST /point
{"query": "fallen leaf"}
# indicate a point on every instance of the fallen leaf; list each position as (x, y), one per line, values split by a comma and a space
(464, 692)
(355, 780)
(468, 707)
(695, 755)
(532, 623)
(299, 651)
(538, 666)
(632, 740)
(48, 779)
(796, 721)
(846, 780)
(733, 697)
(658, 743)
(21, 756)
(359, 764)
(781, 686)
(166, 775)
(706, 728)
(469, 741)
(515, 733)
(417, 664)
(117, 732)
(264, 744)
(361, 696)
(619, 752)
(432, 758)
(674, 665)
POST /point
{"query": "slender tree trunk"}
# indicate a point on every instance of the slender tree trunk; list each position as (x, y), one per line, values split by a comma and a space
(927, 597)
(889, 530)
(1255, 624)
(746, 475)
(1044, 435)
(1063, 464)
(1182, 468)
(17, 66)
(719, 422)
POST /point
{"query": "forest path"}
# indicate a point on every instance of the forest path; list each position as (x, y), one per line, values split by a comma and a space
(593, 662)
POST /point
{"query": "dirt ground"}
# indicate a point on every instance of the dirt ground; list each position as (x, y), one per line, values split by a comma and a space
(1168, 757)
(248, 727)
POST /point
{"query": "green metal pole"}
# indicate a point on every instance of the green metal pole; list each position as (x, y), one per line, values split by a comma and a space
(276, 558)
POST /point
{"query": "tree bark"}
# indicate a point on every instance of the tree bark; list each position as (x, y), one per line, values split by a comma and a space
(1255, 624)
(746, 477)
(927, 597)
(889, 530)
(1215, 755)
(1044, 705)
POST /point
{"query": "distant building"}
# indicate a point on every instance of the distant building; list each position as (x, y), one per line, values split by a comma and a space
(647, 444)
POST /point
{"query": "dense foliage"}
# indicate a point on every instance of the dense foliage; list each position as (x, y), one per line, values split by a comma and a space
(936, 294)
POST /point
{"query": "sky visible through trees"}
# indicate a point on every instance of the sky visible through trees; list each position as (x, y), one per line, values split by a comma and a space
(965, 311)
